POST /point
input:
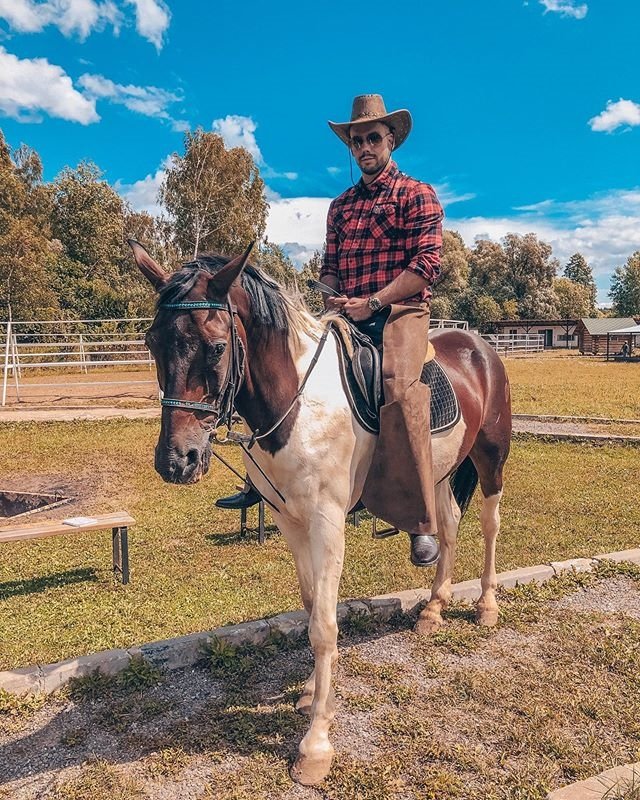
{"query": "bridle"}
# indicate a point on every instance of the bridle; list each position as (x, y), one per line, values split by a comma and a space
(234, 377)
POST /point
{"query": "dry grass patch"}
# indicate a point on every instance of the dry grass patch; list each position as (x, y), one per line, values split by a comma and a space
(192, 572)
(578, 386)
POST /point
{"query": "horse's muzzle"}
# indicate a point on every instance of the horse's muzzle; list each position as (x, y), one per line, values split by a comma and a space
(185, 468)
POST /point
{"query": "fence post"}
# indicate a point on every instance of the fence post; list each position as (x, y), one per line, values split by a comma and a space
(6, 363)
(17, 372)
(83, 358)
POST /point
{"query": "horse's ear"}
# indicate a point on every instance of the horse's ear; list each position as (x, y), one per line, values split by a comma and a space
(222, 280)
(151, 270)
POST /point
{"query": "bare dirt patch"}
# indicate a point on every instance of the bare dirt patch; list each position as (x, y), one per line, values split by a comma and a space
(547, 698)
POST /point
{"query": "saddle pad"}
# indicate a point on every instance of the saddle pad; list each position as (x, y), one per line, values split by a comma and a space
(445, 409)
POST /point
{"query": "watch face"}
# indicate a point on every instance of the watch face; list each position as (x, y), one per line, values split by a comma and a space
(374, 304)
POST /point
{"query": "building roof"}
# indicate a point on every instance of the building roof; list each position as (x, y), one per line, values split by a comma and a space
(531, 322)
(600, 326)
(631, 329)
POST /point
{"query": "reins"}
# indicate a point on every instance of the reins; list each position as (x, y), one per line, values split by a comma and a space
(232, 385)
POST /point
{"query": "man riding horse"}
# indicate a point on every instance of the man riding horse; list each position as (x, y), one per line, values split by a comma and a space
(384, 237)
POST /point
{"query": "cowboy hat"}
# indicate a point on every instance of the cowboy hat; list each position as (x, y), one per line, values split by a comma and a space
(370, 108)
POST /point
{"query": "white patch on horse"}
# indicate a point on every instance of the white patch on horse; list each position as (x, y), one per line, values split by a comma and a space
(446, 448)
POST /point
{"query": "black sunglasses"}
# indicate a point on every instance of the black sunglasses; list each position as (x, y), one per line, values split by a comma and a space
(373, 139)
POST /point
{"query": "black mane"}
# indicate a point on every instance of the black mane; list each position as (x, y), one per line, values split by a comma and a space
(268, 305)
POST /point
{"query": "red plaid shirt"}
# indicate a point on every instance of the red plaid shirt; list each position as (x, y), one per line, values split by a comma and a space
(375, 233)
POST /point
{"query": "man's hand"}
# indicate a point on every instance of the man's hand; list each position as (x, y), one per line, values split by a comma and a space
(336, 304)
(357, 309)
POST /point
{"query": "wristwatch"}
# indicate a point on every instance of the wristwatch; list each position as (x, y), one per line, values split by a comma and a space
(374, 304)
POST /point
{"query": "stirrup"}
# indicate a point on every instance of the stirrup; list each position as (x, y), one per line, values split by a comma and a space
(385, 533)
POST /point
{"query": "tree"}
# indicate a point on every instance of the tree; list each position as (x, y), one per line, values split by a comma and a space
(578, 270)
(25, 253)
(214, 196)
(311, 271)
(573, 300)
(478, 309)
(529, 274)
(487, 269)
(454, 274)
(88, 218)
(275, 262)
(625, 287)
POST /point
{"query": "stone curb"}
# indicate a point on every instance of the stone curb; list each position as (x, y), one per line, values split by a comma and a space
(186, 651)
(560, 418)
(591, 438)
(602, 785)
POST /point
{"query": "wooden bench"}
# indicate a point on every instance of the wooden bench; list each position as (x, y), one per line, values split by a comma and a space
(119, 523)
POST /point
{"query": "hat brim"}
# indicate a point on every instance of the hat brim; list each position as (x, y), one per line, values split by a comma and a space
(400, 121)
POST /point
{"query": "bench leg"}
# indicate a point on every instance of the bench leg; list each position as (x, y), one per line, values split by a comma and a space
(120, 548)
(261, 522)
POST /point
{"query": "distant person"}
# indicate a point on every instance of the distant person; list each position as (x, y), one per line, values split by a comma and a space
(625, 350)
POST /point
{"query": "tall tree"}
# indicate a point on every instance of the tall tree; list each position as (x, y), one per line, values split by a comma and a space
(625, 287)
(454, 275)
(214, 196)
(530, 270)
(578, 270)
(573, 299)
(311, 271)
(25, 252)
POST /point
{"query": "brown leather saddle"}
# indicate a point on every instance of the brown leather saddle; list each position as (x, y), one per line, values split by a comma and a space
(361, 375)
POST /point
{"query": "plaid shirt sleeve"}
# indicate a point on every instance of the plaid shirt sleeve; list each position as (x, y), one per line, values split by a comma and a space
(423, 225)
(330, 262)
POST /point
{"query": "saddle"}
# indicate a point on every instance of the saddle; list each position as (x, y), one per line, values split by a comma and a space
(361, 375)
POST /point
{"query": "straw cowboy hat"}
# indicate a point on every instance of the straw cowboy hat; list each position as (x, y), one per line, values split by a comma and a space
(370, 108)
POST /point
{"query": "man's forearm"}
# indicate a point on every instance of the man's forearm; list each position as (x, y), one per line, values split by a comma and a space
(406, 285)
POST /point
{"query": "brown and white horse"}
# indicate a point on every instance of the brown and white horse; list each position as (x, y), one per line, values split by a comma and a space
(226, 333)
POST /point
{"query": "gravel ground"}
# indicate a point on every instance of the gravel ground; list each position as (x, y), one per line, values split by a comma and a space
(135, 736)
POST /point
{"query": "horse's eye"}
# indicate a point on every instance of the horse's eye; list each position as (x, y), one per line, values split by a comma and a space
(218, 349)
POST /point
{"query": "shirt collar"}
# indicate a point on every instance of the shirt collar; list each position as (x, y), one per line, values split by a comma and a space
(384, 179)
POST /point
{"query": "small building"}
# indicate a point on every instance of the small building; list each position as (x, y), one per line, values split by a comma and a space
(594, 334)
(556, 332)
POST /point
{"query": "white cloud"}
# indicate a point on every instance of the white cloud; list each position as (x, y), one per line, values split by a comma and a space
(334, 170)
(152, 20)
(143, 194)
(238, 131)
(298, 219)
(69, 16)
(566, 8)
(150, 101)
(624, 112)
(31, 86)
(449, 196)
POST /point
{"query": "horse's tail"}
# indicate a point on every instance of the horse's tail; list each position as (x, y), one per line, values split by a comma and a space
(463, 482)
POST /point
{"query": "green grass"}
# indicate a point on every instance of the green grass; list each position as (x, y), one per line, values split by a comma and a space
(574, 386)
(191, 572)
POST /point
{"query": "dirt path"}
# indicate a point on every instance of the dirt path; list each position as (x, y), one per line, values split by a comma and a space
(547, 698)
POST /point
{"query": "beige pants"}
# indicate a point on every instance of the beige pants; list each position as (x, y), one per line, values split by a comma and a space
(399, 485)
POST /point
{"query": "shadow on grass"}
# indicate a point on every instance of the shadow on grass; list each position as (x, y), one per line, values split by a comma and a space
(237, 537)
(56, 580)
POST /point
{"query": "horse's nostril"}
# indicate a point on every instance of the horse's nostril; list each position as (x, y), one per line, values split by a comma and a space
(193, 456)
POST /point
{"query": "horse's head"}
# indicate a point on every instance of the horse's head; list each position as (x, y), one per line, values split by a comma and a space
(197, 352)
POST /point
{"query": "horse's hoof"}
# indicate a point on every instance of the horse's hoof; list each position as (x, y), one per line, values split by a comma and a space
(311, 771)
(303, 706)
(428, 624)
(487, 617)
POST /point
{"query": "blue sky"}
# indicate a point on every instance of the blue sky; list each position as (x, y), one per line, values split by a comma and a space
(526, 114)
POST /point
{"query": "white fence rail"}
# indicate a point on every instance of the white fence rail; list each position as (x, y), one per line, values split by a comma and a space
(513, 344)
(80, 345)
(75, 345)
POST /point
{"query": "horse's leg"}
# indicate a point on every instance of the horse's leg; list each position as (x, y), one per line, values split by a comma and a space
(448, 514)
(326, 537)
(298, 542)
(489, 458)
(487, 607)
